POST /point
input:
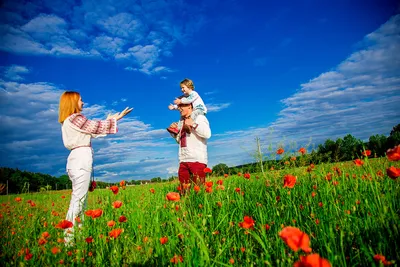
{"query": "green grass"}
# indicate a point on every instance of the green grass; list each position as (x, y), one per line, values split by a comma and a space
(359, 218)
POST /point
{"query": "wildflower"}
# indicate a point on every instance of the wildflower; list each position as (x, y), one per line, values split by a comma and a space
(117, 204)
(313, 194)
(55, 250)
(122, 183)
(122, 219)
(42, 241)
(96, 213)
(220, 182)
(152, 190)
(226, 175)
(393, 172)
(176, 259)
(237, 189)
(115, 233)
(335, 183)
(280, 151)
(248, 223)
(110, 223)
(209, 190)
(246, 175)
(92, 186)
(219, 204)
(64, 224)
(239, 174)
(267, 227)
(45, 235)
(320, 204)
(163, 240)
(295, 239)
(173, 196)
(231, 261)
(114, 189)
(89, 239)
(312, 260)
(302, 150)
(209, 183)
(196, 188)
(207, 170)
(380, 258)
(18, 199)
(393, 154)
(289, 181)
(366, 153)
(358, 162)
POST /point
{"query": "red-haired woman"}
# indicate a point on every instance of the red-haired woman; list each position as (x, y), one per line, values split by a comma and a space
(77, 132)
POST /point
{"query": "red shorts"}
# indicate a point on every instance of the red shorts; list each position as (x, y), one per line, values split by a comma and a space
(192, 172)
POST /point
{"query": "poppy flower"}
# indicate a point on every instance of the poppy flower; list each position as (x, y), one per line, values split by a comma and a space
(248, 223)
(226, 175)
(117, 204)
(295, 239)
(393, 172)
(152, 190)
(209, 189)
(207, 170)
(18, 199)
(358, 162)
(114, 189)
(366, 153)
(220, 182)
(92, 186)
(209, 183)
(42, 241)
(64, 224)
(237, 189)
(176, 259)
(45, 235)
(380, 258)
(289, 180)
(312, 260)
(55, 250)
(280, 151)
(122, 183)
(246, 175)
(89, 239)
(393, 154)
(115, 233)
(110, 223)
(302, 150)
(163, 240)
(196, 188)
(97, 213)
(122, 219)
(173, 196)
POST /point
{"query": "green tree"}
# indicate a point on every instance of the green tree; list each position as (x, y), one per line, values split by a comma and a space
(350, 147)
(377, 144)
(394, 137)
(220, 169)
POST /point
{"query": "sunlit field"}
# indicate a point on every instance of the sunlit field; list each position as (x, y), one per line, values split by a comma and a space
(343, 214)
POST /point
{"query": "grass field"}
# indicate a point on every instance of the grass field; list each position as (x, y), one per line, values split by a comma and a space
(350, 214)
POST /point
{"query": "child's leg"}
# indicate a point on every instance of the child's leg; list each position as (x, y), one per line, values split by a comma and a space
(197, 112)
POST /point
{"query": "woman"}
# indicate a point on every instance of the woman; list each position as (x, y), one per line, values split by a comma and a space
(77, 132)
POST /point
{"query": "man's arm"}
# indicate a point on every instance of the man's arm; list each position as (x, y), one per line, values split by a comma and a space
(201, 127)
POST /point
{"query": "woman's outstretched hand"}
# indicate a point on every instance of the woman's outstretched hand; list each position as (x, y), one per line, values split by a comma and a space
(120, 115)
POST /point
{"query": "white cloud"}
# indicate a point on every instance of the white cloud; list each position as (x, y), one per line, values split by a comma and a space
(217, 107)
(13, 72)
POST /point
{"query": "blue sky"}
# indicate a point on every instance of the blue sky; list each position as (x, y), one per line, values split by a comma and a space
(292, 74)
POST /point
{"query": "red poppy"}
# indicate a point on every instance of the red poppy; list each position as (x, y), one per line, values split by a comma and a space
(237, 189)
(295, 239)
(380, 258)
(89, 239)
(239, 174)
(173, 196)
(64, 224)
(393, 154)
(196, 188)
(97, 213)
(248, 223)
(289, 180)
(18, 199)
(122, 183)
(393, 172)
(55, 250)
(207, 170)
(280, 151)
(366, 153)
(163, 240)
(115, 233)
(312, 260)
(42, 241)
(358, 162)
(122, 219)
(45, 235)
(117, 204)
(267, 227)
(152, 190)
(176, 259)
(114, 189)
(220, 182)
(209, 189)
(302, 150)
(246, 175)
(209, 183)
(110, 223)
(226, 175)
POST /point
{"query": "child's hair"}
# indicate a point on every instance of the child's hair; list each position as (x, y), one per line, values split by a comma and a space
(68, 105)
(188, 82)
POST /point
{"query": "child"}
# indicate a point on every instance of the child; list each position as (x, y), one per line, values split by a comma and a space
(189, 97)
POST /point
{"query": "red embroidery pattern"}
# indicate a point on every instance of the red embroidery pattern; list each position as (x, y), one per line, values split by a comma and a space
(93, 127)
(183, 139)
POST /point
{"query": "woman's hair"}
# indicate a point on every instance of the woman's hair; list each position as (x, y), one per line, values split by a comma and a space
(68, 105)
(188, 82)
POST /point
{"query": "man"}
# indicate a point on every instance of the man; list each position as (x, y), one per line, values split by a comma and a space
(192, 140)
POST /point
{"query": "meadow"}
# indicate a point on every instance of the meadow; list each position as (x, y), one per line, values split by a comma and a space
(342, 214)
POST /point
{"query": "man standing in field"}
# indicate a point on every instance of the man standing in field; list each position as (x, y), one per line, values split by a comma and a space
(192, 139)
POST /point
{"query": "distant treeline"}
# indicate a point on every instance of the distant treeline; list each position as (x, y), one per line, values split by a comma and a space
(342, 149)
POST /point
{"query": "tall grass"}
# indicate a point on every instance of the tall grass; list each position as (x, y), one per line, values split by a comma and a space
(352, 215)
